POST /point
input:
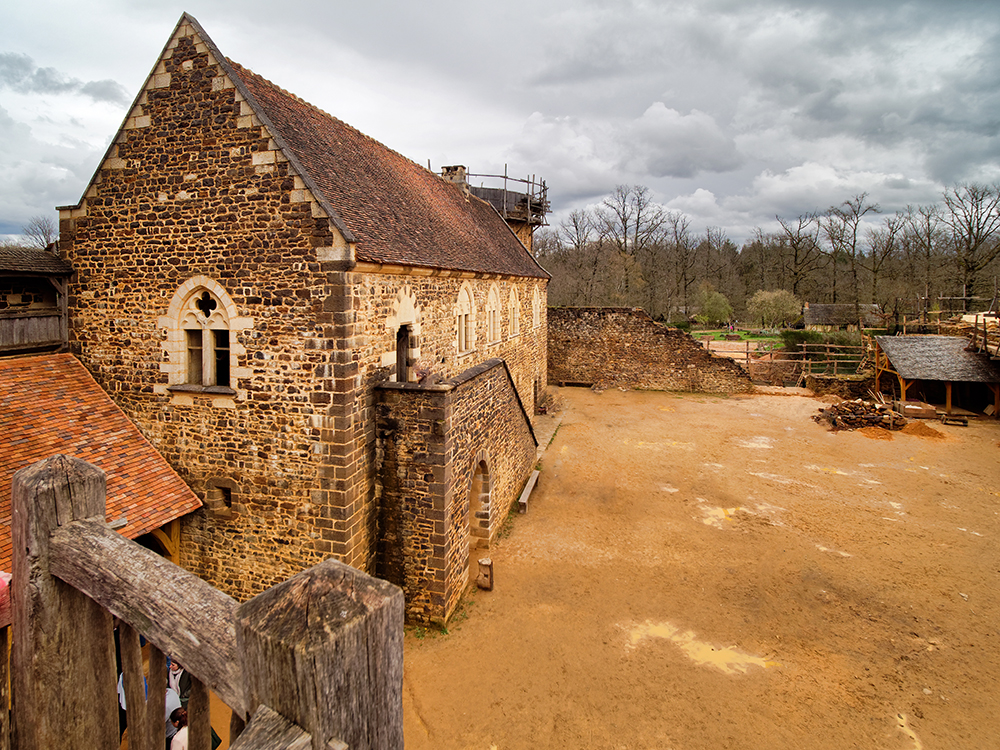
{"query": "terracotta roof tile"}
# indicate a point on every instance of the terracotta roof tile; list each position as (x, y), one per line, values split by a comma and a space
(398, 212)
(50, 404)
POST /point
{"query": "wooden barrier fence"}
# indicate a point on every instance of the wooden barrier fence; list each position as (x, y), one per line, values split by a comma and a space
(314, 662)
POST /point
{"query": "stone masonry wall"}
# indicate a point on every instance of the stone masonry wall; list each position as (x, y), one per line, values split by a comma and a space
(614, 346)
(195, 193)
(194, 187)
(431, 441)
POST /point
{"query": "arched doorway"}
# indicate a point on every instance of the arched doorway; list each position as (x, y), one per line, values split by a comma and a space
(478, 518)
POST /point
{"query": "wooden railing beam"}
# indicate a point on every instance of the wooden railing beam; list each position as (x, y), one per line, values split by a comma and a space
(183, 615)
(64, 658)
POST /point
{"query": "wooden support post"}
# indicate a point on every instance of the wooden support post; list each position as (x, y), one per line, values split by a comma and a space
(947, 397)
(324, 649)
(64, 655)
(5, 688)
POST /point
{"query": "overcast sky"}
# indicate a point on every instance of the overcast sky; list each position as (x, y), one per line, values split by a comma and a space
(732, 111)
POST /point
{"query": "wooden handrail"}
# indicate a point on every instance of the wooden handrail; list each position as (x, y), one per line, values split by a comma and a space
(183, 615)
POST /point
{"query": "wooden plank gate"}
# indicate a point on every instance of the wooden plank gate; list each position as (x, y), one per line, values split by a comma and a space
(314, 662)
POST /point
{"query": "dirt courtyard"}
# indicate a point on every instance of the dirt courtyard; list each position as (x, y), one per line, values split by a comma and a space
(706, 572)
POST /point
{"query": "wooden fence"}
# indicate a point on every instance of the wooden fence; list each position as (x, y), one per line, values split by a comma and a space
(315, 662)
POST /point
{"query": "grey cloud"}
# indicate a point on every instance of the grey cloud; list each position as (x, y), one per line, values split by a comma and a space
(19, 73)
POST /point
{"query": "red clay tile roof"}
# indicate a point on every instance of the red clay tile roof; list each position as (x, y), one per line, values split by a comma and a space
(50, 404)
(398, 212)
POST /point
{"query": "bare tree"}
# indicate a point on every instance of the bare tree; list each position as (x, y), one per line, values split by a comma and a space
(630, 222)
(804, 255)
(842, 226)
(40, 231)
(972, 215)
(884, 245)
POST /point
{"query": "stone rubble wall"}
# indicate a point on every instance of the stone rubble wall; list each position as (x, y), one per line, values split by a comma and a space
(194, 187)
(624, 347)
(430, 442)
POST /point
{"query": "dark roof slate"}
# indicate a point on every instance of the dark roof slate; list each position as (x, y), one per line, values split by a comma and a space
(938, 358)
(398, 212)
(50, 405)
(839, 314)
(32, 260)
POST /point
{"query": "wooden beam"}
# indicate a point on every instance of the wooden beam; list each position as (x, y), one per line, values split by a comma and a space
(169, 535)
(64, 655)
(348, 628)
(183, 615)
(269, 730)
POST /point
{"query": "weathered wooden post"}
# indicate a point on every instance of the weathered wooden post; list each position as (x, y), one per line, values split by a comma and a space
(324, 649)
(63, 656)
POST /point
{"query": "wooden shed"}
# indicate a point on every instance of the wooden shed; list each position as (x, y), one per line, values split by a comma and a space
(941, 370)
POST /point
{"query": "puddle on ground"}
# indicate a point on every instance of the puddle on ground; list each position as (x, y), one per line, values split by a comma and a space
(904, 726)
(974, 533)
(728, 660)
(821, 548)
(758, 442)
(828, 470)
(716, 517)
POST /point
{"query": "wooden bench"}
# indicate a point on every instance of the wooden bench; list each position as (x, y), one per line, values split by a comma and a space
(522, 502)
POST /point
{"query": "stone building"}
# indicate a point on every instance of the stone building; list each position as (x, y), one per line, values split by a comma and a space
(249, 273)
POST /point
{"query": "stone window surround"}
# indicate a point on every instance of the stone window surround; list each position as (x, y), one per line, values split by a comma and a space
(536, 308)
(174, 345)
(514, 313)
(405, 311)
(465, 320)
(493, 333)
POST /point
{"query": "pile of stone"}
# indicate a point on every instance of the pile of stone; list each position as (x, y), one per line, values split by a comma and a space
(850, 415)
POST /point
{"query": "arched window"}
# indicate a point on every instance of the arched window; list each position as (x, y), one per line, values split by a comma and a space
(201, 347)
(206, 337)
(536, 308)
(465, 320)
(514, 313)
(493, 315)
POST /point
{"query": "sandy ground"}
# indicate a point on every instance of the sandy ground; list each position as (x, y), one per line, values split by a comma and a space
(702, 572)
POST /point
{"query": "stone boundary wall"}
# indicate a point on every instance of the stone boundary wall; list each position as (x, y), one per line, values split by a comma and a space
(624, 347)
(430, 440)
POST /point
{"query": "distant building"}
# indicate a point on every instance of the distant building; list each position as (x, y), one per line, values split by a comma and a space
(840, 317)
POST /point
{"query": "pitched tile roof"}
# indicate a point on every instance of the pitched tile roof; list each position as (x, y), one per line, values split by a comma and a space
(938, 358)
(50, 404)
(398, 212)
(32, 260)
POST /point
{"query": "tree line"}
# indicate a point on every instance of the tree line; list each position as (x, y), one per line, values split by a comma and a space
(633, 252)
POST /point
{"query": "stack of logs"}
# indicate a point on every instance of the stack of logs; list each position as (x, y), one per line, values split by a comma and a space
(850, 415)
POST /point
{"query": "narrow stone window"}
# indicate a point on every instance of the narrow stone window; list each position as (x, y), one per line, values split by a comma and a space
(465, 321)
(514, 313)
(195, 356)
(536, 308)
(493, 315)
(221, 357)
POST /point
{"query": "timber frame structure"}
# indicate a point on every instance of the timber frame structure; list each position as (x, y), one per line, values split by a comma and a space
(949, 360)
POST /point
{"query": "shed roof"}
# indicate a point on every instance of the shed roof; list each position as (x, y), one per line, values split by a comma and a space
(944, 358)
(52, 405)
(839, 314)
(32, 260)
